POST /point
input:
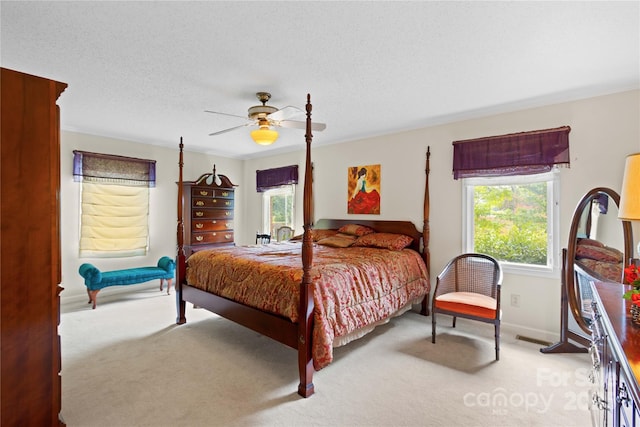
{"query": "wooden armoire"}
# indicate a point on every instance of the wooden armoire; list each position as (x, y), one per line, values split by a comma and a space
(30, 359)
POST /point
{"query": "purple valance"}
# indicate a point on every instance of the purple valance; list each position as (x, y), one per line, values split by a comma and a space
(112, 169)
(522, 153)
(270, 178)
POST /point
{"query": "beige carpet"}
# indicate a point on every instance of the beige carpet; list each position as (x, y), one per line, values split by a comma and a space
(127, 364)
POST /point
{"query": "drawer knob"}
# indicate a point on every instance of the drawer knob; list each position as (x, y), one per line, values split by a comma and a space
(199, 203)
(203, 193)
(199, 238)
(199, 213)
(199, 225)
(598, 402)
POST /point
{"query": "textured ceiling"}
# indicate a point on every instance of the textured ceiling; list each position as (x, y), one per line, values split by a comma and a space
(146, 71)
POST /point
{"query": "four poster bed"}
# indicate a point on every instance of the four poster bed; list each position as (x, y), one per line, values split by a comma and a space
(343, 278)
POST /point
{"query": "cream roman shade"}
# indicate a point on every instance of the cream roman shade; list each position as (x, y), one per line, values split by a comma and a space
(114, 220)
(114, 204)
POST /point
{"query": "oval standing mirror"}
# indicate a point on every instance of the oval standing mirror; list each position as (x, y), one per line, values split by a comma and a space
(599, 247)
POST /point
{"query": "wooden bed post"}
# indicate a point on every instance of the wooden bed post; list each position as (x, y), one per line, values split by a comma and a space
(425, 232)
(305, 313)
(180, 258)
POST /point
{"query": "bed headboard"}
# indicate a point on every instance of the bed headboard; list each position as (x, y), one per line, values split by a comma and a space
(398, 227)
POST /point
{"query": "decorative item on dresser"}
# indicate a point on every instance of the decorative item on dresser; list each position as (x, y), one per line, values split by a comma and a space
(31, 273)
(208, 212)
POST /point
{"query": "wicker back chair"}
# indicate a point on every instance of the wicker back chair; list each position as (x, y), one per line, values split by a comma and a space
(284, 233)
(469, 287)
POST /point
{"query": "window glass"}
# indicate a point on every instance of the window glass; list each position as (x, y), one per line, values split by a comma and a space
(514, 219)
(277, 209)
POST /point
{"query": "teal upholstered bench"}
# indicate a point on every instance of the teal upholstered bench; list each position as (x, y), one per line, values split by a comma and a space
(95, 279)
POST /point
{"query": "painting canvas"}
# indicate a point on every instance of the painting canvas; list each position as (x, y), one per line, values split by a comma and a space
(363, 185)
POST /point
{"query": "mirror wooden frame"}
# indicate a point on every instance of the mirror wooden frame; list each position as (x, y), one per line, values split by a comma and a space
(570, 300)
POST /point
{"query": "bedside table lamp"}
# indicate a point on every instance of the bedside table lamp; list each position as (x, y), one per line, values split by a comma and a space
(629, 209)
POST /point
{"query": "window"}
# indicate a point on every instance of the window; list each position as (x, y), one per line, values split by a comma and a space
(278, 188)
(514, 219)
(114, 204)
(510, 189)
(278, 209)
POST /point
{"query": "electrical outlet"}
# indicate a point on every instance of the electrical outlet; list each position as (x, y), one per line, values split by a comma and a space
(515, 300)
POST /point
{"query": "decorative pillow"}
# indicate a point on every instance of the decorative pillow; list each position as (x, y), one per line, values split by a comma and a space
(608, 270)
(392, 241)
(340, 240)
(590, 242)
(604, 253)
(356, 230)
(317, 234)
(321, 234)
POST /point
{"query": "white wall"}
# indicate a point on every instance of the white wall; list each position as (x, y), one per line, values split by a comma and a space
(604, 130)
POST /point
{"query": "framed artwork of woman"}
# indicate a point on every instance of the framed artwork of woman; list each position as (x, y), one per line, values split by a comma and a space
(363, 190)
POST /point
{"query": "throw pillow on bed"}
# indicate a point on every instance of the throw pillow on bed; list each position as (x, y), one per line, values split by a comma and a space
(340, 240)
(317, 235)
(604, 253)
(356, 230)
(392, 241)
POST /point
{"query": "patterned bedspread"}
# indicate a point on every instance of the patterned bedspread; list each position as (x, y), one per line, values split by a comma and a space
(353, 287)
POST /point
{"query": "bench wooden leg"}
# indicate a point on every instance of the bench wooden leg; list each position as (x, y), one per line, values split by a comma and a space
(168, 285)
(93, 297)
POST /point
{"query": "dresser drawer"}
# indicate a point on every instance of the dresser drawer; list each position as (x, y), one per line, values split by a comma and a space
(212, 202)
(211, 225)
(212, 213)
(211, 192)
(212, 237)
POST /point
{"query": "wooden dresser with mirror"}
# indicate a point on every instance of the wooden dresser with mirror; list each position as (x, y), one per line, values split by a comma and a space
(599, 247)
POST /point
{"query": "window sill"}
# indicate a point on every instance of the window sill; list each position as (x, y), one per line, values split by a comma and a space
(530, 270)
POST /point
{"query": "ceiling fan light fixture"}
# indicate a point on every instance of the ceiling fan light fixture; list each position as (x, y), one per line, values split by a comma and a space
(264, 136)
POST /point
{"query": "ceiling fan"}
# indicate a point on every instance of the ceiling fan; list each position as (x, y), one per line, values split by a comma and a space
(266, 116)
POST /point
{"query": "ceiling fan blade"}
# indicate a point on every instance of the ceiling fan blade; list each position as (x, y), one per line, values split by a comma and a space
(284, 113)
(302, 125)
(225, 114)
(230, 129)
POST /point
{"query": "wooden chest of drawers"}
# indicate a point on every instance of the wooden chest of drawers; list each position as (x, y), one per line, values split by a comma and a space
(208, 215)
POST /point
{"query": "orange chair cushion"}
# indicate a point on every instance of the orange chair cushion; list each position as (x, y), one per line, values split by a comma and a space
(468, 303)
